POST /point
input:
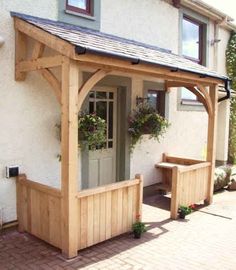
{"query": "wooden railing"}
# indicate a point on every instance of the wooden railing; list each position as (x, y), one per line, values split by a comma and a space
(108, 211)
(189, 185)
(39, 210)
(103, 212)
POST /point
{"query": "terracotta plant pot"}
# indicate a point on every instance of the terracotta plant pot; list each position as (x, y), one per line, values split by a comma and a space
(182, 215)
(137, 235)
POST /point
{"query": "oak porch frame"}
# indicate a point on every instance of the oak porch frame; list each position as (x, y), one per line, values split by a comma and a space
(70, 94)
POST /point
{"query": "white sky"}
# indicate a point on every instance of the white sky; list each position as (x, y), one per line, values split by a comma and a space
(226, 6)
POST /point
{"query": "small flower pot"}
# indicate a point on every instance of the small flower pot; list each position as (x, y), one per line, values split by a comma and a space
(137, 235)
(182, 215)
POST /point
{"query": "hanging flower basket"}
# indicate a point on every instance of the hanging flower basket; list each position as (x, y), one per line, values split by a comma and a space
(146, 120)
(92, 131)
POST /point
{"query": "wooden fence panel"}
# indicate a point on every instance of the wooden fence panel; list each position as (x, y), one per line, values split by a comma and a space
(189, 186)
(38, 210)
(105, 212)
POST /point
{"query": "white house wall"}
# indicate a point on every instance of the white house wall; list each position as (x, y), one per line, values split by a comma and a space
(128, 19)
(28, 110)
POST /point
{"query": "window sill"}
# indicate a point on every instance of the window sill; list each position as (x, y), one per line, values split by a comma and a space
(191, 103)
(88, 17)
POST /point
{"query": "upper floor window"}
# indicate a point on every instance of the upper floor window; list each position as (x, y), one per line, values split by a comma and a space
(80, 6)
(192, 40)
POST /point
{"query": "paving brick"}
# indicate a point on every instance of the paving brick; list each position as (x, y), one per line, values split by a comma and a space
(205, 241)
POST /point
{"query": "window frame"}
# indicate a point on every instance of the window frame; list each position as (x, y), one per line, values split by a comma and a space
(200, 37)
(88, 11)
(184, 104)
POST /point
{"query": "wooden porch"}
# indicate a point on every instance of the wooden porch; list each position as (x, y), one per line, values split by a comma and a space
(72, 219)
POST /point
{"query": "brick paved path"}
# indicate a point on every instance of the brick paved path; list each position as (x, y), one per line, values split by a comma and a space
(207, 240)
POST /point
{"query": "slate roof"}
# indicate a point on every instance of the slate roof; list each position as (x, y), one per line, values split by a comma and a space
(97, 42)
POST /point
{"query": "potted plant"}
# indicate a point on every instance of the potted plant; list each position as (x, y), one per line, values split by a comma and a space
(138, 228)
(184, 210)
(146, 120)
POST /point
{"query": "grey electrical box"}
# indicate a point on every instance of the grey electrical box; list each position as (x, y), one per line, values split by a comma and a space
(12, 171)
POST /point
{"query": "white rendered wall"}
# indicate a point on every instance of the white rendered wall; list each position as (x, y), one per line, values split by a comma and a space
(28, 112)
(152, 22)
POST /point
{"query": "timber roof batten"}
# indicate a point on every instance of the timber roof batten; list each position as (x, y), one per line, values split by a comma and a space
(97, 43)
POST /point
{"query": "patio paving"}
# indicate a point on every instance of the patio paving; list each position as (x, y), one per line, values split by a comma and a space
(206, 240)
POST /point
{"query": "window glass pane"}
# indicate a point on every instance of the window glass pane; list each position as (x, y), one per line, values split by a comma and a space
(101, 109)
(101, 95)
(110, 144)
(186, 94)
(111, 95)
(91, 94)
(82, 4)
(152, 99)
(91, 107)
(190, 41)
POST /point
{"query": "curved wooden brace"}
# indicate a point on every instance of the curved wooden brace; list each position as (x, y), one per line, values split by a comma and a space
(198, 90)
(199, 96)
(89, 84)
(207, 98)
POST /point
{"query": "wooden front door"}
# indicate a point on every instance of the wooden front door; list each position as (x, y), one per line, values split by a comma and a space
(102, 162)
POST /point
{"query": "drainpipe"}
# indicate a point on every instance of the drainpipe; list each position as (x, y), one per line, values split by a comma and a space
(228, 91)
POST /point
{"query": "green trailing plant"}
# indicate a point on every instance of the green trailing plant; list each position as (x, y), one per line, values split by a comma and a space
(184, 210)
(231, 71)
(145, 120)
(92, 131)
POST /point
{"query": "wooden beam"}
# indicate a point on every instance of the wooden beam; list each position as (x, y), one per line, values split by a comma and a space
(103, 62)
(46, 73)
(37, 50)
(20, 54)
(170, 84)
(207, 97)
(211, 140)
(51, 41)
(69, 156)
(39, 63)
(53, 81)
(89, 84)
(200, 98)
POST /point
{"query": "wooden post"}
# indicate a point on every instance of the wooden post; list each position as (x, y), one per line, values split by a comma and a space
(174, 194)
(140, 195)
(211, 141)
(69, 156)
(20, 54)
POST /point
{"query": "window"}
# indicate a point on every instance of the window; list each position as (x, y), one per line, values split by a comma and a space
(192, 40)
(193, 45)
(157, 100)
(80, 6)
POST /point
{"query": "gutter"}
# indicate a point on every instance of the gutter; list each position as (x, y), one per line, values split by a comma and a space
(135, 61)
